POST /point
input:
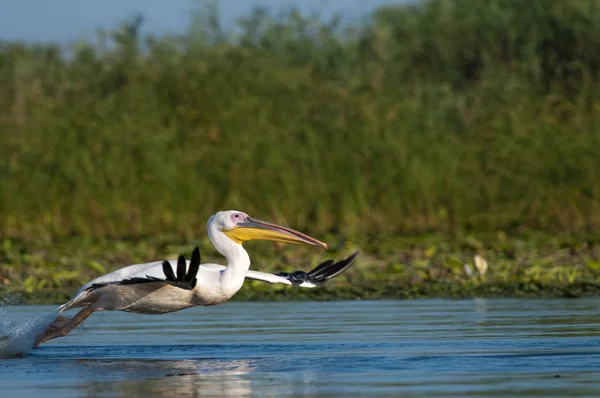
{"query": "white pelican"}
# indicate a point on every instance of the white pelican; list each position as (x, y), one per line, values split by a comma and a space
(166, 286)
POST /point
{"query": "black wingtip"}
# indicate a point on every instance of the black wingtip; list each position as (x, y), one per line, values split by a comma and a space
(339, 267)
(353, 256)
(182, 280)
(195, 256)
(168, 271)
(322, 273)
(194, 267)
(181, 265)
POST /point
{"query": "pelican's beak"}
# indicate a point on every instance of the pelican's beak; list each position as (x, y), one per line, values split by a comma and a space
(252, 229)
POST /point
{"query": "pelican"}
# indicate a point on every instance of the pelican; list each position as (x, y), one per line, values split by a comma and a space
(166, 286)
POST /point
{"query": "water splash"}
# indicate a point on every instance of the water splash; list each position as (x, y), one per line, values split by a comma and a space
(18, 336)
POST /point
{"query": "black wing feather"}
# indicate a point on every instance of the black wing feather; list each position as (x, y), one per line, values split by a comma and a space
(320, 274)
(168, 271)
(183, 280)
(194, 265)
(181, 268)
(322, 268)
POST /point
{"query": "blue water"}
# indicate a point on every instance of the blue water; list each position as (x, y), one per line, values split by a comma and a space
(342, 349)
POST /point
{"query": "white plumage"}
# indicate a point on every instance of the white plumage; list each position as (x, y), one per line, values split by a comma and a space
(166, 286)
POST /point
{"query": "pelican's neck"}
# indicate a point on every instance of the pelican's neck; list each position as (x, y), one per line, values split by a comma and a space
(238, 260)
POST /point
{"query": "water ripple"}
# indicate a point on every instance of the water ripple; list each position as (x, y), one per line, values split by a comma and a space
(461, 348)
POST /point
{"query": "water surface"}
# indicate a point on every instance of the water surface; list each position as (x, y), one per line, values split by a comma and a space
(356, 348)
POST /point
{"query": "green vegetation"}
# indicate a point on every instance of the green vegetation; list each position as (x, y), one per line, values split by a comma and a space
(389, 267)
(450, 117)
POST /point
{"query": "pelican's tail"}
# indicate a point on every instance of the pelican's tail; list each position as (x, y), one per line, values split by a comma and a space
(80, 299)
(65, 307)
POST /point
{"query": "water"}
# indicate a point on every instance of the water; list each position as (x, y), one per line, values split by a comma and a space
(417, 348)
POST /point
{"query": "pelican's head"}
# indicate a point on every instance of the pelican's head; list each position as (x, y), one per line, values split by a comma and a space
(240, 227)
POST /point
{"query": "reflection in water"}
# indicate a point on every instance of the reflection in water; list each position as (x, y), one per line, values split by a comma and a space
(172, 378)
(480, 304)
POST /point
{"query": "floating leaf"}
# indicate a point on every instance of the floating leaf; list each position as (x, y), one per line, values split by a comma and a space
(480, 264)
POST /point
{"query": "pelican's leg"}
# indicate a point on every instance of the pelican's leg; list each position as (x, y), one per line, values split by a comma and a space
(58, 323)
(62, 326)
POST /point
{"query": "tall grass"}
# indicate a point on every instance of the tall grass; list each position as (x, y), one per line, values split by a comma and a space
(446, 115)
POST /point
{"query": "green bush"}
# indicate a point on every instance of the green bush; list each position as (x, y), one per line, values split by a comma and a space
(444, 115)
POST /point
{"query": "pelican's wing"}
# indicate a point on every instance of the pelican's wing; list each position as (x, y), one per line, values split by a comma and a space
(321, 274)
(185, 279)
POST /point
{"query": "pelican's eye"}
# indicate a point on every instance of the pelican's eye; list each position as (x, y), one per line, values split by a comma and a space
(238, 217)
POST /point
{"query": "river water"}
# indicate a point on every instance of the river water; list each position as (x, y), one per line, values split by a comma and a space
(458, 348)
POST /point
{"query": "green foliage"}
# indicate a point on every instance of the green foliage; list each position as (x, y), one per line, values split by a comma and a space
(533, 264)
(446, 115)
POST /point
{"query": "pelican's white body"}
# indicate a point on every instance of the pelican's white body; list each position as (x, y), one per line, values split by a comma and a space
(151, 288)
(215, 283)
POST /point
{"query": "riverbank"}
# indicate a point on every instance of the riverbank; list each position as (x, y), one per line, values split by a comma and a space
(521, 265)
